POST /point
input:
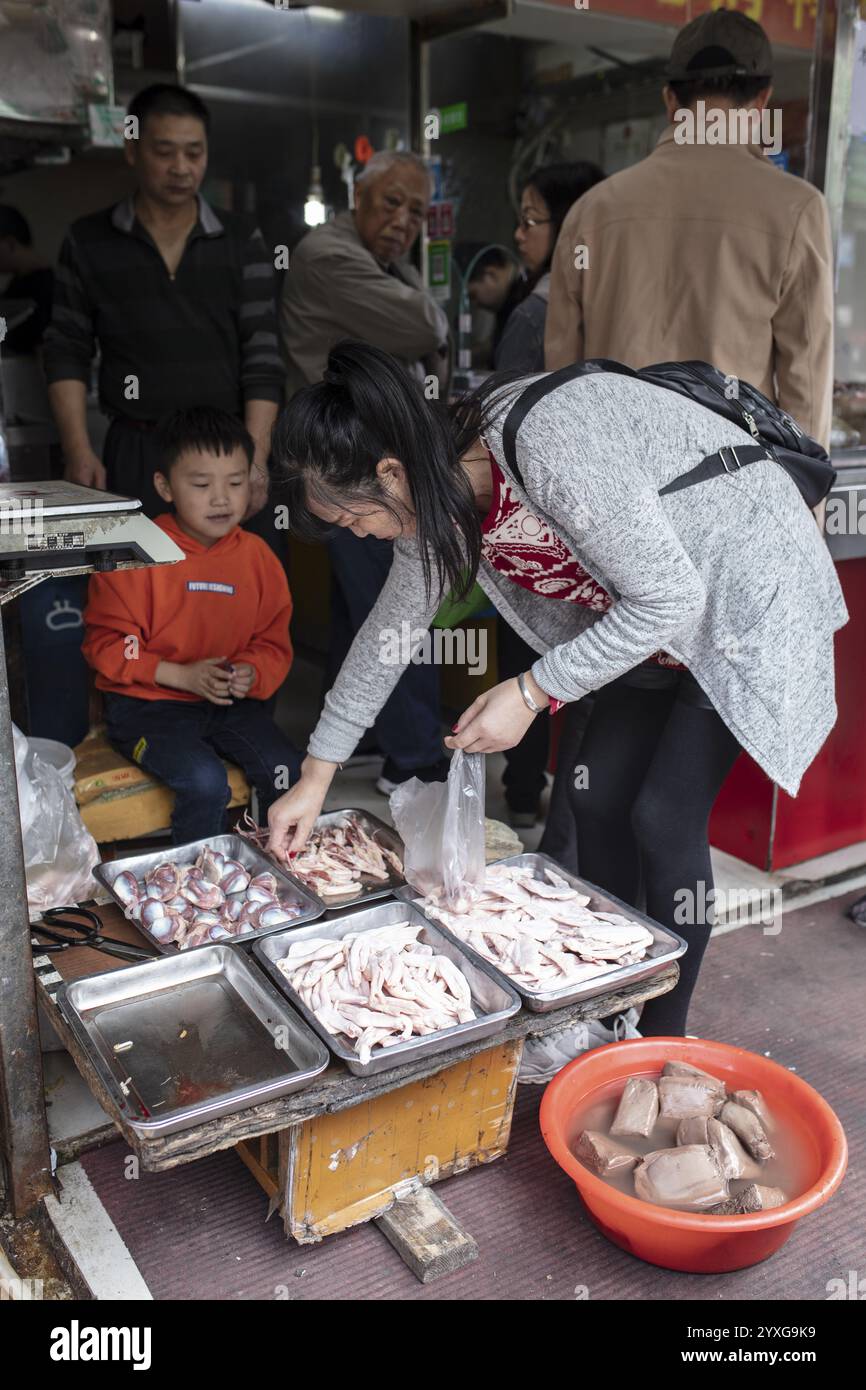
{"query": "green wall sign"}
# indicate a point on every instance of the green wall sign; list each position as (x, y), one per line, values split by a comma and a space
(455, 117)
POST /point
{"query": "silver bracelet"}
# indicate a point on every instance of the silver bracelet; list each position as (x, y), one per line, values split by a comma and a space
(527, 698)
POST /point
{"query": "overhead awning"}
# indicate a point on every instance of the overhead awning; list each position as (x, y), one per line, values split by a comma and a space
(434, 18)
(789, 23)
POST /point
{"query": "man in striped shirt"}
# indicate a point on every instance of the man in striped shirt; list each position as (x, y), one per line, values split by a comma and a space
(179, 301)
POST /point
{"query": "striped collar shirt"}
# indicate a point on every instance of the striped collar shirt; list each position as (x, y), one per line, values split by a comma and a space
(203, 336)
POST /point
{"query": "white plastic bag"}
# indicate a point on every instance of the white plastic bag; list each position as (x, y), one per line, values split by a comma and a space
(59, 853)
(441, 825)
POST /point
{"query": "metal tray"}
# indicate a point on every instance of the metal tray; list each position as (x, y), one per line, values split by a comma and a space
(494, 1000)
(370, 891)
(666, 947)
(236, 847)
(210, 1035)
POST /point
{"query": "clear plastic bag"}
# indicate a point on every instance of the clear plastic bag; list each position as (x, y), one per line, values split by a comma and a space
(59, 853)
(441, 825)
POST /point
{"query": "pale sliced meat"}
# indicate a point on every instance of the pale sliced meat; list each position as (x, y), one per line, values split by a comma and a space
(693, 1131)
(749, 1129)
(751, 1198)
(530, 927)
(338, 858)
(754, 1101)
(735, 1162)
(686, 1069)
(680, 1097)
(688, 1178)
(539, 889)
(770, 1197)
(638, 1108)
(603, 1155)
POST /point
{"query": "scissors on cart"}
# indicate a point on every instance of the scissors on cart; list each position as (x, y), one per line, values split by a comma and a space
(63, 929)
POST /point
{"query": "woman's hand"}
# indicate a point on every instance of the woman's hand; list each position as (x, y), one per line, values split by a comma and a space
(497, 719)
(291, 818)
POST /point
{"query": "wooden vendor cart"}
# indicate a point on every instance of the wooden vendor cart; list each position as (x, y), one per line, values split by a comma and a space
(350, 1149)
(347, 1149)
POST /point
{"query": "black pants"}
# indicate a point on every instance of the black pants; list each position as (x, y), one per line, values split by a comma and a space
(560, 828)
(182, 742)
(656, 755)
(409, 726)
(131, 458)
(525, 763)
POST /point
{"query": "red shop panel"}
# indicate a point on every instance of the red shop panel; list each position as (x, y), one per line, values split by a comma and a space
(829, 812)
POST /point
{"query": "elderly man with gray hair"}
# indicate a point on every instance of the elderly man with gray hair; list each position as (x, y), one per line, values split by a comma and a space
(349, 279)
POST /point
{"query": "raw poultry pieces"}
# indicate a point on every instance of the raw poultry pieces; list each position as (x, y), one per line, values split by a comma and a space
(378, 987)
(541, 932)
(336, 859)
(211, 900)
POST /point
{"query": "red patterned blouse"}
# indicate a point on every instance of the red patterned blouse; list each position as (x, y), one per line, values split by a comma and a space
(523, 548)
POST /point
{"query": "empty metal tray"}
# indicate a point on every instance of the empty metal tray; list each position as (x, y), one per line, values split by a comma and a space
(666, 947)
(493, 999)
(190, 1037)
(291, 892)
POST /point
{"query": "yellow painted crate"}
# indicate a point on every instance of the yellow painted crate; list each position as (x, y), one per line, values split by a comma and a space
(338, 1170)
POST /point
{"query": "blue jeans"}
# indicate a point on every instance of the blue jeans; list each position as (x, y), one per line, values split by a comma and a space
(182, 742)
(409, 726)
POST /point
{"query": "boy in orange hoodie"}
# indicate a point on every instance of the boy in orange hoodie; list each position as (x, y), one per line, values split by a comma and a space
(187, 654)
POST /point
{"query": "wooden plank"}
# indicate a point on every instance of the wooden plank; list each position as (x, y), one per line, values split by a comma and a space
(336, 1089)
(426, 1236)
(249, 1151)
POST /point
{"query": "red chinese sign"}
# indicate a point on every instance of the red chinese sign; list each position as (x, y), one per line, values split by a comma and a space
(790, 22)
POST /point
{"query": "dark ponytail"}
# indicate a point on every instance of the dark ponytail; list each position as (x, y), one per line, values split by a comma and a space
(331, 436)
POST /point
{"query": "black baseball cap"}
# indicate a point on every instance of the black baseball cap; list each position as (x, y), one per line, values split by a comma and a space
(721, 43)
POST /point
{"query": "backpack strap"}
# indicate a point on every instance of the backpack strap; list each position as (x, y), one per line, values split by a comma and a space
(727, 460)
(537, 391)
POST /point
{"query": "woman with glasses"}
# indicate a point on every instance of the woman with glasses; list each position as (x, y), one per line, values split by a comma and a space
(547, 196)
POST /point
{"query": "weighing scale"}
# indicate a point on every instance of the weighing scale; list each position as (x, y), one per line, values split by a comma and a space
(64, 528)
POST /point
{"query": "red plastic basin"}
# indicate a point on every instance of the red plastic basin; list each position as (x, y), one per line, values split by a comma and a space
(688, 1240)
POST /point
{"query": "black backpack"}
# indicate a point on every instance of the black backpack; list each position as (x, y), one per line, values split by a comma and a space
(776, 435)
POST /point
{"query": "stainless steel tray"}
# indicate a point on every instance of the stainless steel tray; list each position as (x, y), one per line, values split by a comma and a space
(666, 947)
(236, 847)
(209, 1035)
(493, 1000)
(372, 889)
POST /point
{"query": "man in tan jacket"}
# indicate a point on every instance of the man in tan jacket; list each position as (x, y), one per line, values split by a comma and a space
(705, 250)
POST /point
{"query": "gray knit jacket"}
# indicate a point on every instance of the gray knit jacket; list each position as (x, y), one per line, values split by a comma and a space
(731, 576)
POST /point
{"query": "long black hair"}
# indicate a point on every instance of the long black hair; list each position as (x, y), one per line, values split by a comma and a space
(331, 436)
(560, 185)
